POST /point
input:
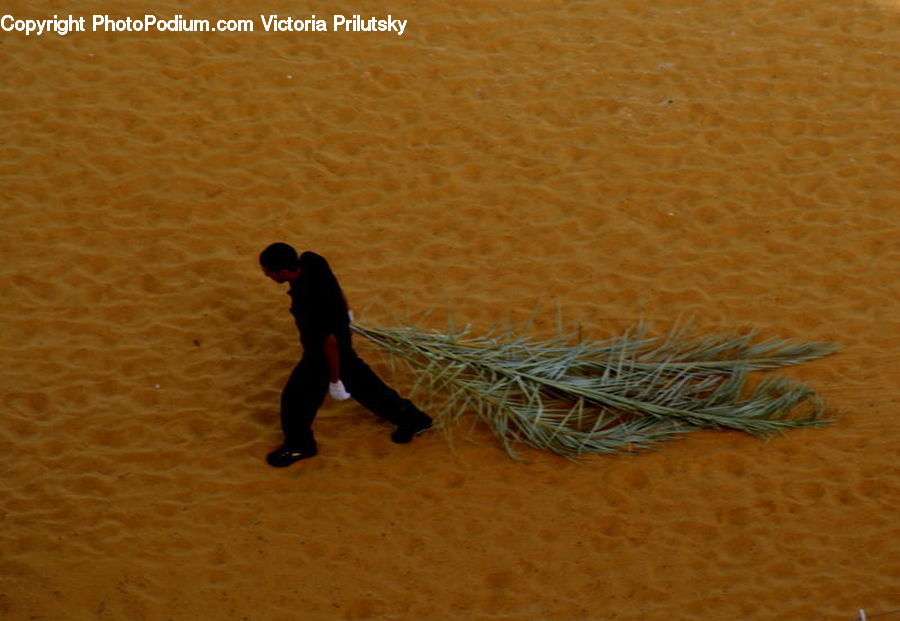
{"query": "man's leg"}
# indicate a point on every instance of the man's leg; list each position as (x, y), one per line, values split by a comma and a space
(301, 399)
(370, 391)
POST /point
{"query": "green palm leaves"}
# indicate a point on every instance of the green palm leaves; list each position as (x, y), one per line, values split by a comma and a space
(629, 393)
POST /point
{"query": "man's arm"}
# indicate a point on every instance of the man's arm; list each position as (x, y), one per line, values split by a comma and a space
(333, 357)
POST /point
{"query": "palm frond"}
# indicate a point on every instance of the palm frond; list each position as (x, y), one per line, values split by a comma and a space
(628, 393)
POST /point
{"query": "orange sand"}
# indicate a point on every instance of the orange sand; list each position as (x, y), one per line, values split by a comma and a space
(730, 159)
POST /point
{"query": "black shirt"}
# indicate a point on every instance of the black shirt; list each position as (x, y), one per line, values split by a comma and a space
(318, 306)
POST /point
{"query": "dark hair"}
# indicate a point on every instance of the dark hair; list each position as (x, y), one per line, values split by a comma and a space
(278, 256)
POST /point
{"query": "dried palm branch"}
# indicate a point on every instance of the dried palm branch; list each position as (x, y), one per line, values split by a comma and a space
(628, 393)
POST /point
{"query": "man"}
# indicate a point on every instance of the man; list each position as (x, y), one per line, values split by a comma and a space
(329, 364)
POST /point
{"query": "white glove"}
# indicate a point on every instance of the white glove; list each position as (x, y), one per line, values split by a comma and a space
(337, 391)
(350, 315)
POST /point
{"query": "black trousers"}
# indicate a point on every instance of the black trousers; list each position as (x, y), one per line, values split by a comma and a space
(307, 387)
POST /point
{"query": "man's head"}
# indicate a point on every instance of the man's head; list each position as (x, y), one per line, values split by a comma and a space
(280, 262)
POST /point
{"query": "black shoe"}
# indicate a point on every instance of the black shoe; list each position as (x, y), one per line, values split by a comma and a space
(405, 433)
(285, 456)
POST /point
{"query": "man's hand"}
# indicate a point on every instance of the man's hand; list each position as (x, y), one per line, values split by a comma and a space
(337, 391)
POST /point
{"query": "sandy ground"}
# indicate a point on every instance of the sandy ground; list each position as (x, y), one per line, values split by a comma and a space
(733, 160)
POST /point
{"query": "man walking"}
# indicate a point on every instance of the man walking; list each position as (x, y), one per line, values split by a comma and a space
(329, 364)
